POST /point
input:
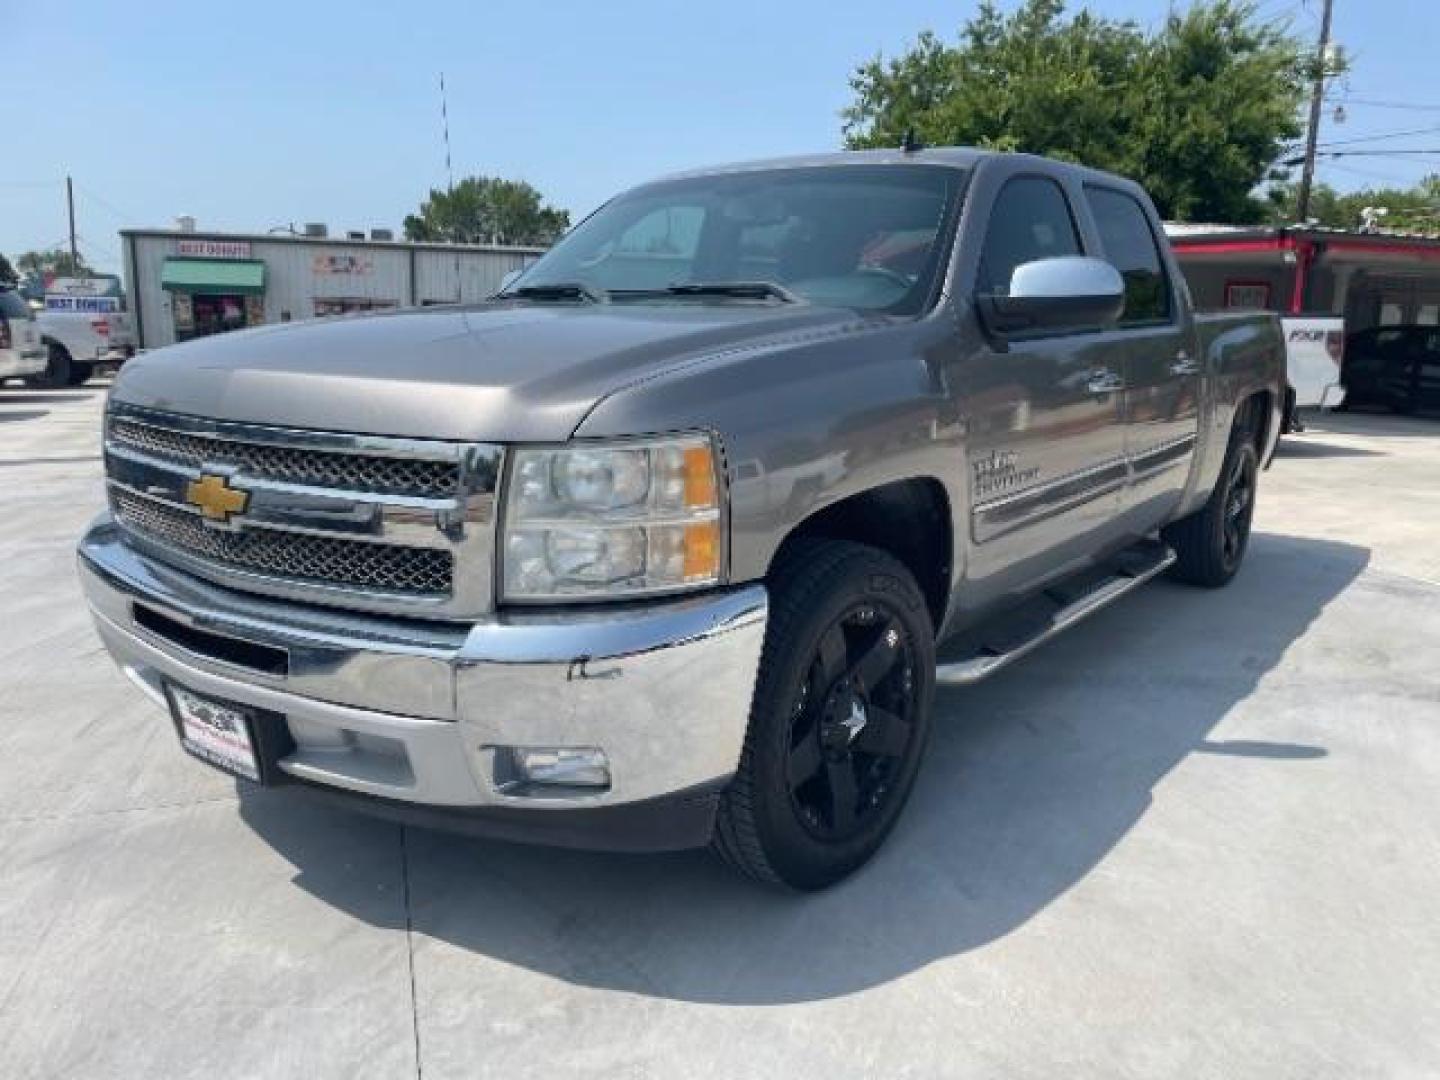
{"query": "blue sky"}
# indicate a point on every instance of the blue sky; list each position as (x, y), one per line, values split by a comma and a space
(254, 114)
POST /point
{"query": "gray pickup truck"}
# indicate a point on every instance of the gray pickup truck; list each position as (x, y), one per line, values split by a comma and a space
(671, 541)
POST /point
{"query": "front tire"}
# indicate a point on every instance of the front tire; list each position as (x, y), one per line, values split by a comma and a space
(80, 374)
(1210, 544)
(840, 718)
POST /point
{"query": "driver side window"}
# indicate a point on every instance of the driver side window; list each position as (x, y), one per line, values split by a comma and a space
(1030, 220)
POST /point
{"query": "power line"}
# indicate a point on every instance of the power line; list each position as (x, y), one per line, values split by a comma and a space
(93, 197)
(1374, 104)
(1361, 153)
(1369, 174)
(1381, 137)
(104, 248)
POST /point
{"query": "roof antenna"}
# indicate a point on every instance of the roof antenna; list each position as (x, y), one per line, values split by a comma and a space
(911, 143)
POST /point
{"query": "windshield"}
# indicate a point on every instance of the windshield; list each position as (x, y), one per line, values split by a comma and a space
(868, 237)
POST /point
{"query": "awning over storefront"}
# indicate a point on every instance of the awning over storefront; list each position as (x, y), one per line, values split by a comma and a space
(214, 277)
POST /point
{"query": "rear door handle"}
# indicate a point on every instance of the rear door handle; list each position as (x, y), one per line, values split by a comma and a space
(1184, 364)
(1105, 381)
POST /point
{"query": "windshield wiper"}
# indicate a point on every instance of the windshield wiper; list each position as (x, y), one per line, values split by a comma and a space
(569, 290)
(743, 290)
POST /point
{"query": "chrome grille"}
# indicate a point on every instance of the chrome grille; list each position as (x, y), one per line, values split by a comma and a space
(383, 524)
(299, 465)
(387, 568)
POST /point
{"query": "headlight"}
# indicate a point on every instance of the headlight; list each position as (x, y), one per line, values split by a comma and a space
(594, 521)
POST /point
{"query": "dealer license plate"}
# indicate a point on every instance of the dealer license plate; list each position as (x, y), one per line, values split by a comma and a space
(218, 733)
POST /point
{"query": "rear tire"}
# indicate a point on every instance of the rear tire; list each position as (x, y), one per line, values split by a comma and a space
(58, 371)
(80, 374)
(839, 721)
(1210, 544)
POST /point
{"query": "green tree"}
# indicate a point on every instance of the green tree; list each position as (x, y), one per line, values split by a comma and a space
(8, 276)
(1413, 209)
(1197, 111)
(487, 210)
(56, 261)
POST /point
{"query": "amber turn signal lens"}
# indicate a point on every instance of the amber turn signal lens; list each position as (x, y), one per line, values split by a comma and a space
(699, 478)
(702, 550)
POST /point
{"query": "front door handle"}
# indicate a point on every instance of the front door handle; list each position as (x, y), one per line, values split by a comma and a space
(1105, 381)
(1184, 364)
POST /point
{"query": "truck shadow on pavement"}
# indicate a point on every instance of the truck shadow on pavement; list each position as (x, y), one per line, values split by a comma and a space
(1033, 777)
(1313, 448)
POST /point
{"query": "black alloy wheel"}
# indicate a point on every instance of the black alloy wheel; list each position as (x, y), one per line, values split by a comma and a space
(1239, 509)
(852, 723)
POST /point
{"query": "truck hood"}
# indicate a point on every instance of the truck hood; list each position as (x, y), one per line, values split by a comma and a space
(500, 372)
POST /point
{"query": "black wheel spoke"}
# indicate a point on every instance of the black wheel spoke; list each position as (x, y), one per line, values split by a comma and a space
(884, 733)
(880, 657)
(844, 793)
(833, 657)
(851, 722)
(805, 759)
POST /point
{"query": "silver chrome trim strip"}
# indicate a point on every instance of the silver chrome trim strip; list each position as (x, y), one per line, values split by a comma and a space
(1039, 491)
(252, 482)
(1163, 453)
(998, 516)
(291, 438)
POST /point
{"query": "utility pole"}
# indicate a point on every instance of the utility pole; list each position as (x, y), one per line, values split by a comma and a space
(1317, 100)
(70, 206)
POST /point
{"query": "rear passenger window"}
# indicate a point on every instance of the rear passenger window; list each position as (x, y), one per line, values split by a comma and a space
(1030, 220)
(1129, 245)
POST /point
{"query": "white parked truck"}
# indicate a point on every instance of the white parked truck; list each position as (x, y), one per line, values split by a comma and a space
(21, 353)
(1314, 348)
(78, 341)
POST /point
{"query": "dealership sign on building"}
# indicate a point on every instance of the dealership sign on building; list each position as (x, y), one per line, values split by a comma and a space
(215, 249)
(82, 294)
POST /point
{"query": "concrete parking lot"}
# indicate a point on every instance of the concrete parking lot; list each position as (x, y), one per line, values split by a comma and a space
(1197, 837)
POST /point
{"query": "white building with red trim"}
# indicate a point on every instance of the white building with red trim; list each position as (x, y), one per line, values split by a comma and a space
(1370, 278)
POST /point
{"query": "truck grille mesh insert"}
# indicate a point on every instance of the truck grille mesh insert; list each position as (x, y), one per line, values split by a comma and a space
(321, 468)
(324, 560)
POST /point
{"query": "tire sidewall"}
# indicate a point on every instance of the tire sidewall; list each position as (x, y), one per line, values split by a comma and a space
(801, 859)
(1244, 450)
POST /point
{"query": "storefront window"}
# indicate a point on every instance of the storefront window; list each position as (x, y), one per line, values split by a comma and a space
(349, 305)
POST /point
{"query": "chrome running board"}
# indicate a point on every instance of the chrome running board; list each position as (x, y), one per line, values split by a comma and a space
(989, 648)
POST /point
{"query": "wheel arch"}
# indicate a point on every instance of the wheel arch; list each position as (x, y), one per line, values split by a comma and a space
(908, 519)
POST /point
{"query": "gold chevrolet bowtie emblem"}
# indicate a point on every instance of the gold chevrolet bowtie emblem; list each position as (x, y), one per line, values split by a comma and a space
(216, 499)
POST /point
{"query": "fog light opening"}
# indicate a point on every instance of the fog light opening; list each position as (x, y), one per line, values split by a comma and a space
(546, 770)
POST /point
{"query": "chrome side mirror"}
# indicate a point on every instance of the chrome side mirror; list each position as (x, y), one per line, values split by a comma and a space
(1068, 292)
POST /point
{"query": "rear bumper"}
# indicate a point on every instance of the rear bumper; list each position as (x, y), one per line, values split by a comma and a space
(412, 720)
(15, 364)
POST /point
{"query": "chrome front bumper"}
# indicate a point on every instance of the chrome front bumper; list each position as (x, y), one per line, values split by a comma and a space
(418, 714)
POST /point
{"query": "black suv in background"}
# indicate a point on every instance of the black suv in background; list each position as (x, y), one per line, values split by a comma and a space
(1398, 366)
